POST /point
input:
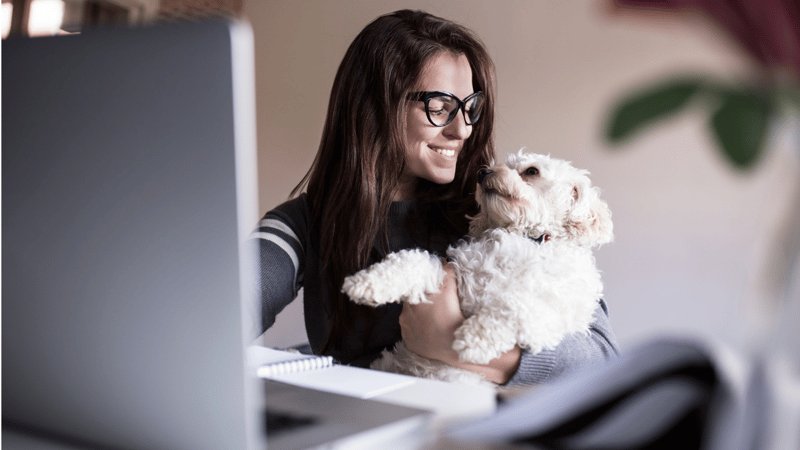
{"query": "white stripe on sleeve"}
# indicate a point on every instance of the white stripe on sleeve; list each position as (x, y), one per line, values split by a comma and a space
(278, 225)
(277, 240)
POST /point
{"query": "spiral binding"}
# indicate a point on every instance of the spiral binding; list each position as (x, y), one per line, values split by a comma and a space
(294, 366)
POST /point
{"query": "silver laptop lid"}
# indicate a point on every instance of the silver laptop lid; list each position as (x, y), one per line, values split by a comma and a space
(128, 164)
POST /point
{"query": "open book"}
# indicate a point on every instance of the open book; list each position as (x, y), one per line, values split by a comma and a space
(322, 373)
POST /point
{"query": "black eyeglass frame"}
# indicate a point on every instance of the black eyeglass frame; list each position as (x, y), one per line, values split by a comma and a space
(426, 96)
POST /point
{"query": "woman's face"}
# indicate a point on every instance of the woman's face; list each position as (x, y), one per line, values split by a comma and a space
(431, 152)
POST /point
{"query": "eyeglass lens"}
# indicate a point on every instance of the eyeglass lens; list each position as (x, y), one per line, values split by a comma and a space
(442, 109)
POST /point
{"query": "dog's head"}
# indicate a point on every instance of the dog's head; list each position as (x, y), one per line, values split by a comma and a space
(541, 196)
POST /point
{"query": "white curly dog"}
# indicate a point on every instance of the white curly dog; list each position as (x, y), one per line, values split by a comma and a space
(526, 276)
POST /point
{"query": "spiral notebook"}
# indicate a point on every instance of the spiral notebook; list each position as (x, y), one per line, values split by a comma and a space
(277, 362)
(323, 373)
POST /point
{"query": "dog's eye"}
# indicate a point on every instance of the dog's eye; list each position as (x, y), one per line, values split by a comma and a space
(531, 171)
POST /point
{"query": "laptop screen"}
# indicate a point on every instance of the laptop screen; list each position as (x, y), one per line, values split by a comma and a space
(128, 165)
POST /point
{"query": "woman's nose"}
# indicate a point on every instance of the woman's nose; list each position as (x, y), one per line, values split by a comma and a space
(458, 128)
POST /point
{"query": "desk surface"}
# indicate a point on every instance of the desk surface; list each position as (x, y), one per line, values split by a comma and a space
(449, 402)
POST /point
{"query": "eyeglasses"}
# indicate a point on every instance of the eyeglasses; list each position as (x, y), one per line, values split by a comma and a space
(442, 107)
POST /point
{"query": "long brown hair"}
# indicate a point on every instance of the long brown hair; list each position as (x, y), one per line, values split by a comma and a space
(361, 155)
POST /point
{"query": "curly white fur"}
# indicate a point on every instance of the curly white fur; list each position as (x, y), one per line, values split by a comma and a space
(513, 289)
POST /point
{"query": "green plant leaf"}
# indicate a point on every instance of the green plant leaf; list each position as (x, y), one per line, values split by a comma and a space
(740, 126)
(656, 102)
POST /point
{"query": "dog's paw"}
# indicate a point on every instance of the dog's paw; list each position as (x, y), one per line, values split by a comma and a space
(403, 276)
(472, 355)
(360, 290)
(480, 339)
(473, 350)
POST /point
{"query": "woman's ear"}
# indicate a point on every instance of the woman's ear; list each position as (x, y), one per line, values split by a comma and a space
(589, 220)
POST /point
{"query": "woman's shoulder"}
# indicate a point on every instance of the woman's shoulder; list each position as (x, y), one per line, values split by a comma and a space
(294, 207)
(294, 213)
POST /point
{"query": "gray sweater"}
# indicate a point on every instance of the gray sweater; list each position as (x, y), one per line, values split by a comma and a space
(289, 259)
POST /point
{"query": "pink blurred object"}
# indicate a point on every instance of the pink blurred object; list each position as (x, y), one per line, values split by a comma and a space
(768, 29)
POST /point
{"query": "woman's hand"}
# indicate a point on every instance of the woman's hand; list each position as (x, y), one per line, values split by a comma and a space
(428, 330)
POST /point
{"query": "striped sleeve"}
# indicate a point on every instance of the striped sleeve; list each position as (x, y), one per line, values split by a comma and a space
(279, 239)
(273, 230)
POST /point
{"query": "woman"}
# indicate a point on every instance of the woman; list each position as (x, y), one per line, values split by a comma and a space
(409, 124)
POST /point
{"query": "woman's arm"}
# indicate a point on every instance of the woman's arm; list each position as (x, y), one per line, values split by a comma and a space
(278, 243)
(428, 330)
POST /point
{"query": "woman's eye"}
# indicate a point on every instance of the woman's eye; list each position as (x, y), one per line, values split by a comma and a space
(531, 171)
(437, 112)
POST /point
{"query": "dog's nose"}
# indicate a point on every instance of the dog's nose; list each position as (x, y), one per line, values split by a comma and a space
(483, 173)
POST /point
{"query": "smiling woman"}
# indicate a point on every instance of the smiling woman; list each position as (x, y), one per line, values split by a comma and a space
(378, 147)
(432, 150)
(397, 168)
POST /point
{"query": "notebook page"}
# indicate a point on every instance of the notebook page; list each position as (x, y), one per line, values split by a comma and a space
(347, 380)
(339, 379)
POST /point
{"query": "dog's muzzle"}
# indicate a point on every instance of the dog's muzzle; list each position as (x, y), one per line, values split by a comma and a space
(483, 173)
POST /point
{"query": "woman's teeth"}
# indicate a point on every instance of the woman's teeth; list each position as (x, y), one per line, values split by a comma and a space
(445, 152)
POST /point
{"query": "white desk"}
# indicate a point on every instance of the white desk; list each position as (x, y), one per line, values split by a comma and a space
(449, 402)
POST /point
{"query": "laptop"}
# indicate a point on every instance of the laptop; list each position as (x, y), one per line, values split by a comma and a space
(128, 183)
(128, 188)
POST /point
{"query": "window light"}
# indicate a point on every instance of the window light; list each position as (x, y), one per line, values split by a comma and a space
(45, 17)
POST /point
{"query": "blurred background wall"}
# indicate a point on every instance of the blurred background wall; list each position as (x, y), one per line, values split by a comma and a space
(693, 237)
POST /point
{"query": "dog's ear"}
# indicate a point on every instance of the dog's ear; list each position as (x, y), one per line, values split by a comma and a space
(478, 224)
(589, 220)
